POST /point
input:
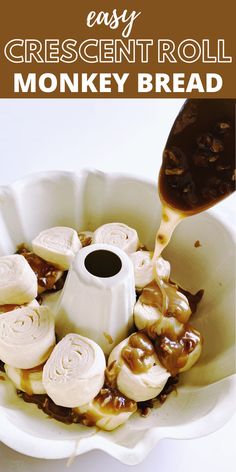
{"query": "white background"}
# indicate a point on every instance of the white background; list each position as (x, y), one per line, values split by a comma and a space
(111, 135)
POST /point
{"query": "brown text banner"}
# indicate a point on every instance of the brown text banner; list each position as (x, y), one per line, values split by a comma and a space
(116, 49)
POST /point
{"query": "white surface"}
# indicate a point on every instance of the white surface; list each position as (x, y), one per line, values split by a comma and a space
(112, 135)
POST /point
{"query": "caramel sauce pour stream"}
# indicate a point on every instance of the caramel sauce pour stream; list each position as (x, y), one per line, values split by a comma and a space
(169, 220)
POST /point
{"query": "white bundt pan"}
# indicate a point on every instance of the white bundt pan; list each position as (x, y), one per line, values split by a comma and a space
(206, 395)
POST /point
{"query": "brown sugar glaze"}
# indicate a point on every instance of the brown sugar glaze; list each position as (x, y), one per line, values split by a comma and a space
(109, 400)
(85, 239)
(198, 171)
(151, 295)
(44, 403)
(172, 351)
(2, 370)
(137, 354)
(25, 378)
(45, 272)
(6, 308)
(198, 168)
(174, 354)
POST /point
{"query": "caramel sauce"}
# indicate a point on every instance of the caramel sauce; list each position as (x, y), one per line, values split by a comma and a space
(169, 220)
(44, 403)
(152, 295)
(161, 237)
(198, 167)
(6, 308)
(165, 217)
(45, 272)
(108, 338)
(174, 354)
(85, 239)
(111, 374)
(109, 400)
(25, 383)
(137, 355)
(142, 247)
(2, 370)
(168, 331)
(193, 298)
(87, 419)
(176, 305)
(199, 158)
(112, 401)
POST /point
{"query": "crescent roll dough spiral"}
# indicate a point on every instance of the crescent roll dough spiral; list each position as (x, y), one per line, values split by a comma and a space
(26, 337)
(138, 386)
(57, 245)
(74, 373)
(177, 303)
(18, 282)
(168, 300)
(143, 268)
(151, 318)
(117, 234)
(162, 269)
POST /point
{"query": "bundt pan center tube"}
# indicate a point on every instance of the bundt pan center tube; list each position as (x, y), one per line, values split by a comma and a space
(98, 297)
